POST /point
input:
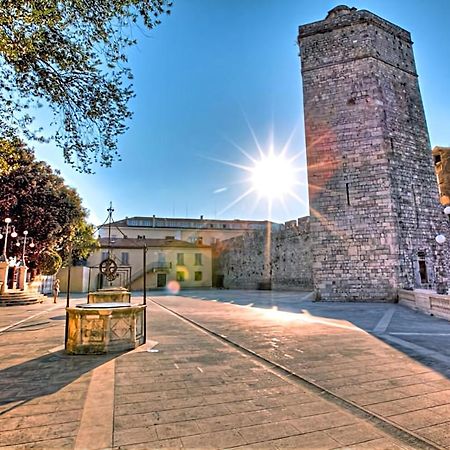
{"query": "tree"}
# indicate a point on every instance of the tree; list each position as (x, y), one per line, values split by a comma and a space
(40, 202)
(83, 243)
(12, 152)
(49, 262)
(71, 55)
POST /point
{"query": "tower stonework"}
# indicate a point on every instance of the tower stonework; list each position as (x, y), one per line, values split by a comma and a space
(372, 189)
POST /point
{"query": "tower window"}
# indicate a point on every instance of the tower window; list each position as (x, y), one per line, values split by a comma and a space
(422, 267)
(348, 193)
(423, 271)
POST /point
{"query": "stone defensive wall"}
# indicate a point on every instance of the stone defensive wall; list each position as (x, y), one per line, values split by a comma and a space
(260, 260)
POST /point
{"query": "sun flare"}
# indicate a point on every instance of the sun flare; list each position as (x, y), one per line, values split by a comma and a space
(273, 176)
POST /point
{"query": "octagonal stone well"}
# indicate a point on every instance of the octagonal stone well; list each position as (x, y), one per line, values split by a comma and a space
(105, 327)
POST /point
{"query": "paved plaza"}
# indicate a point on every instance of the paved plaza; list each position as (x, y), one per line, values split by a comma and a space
(231, 369)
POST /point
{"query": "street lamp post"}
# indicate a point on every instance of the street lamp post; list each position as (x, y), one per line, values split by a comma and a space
(145, 289)
(5, 243)
(24, 243)
(25, 234)
(23, 264)
(4, 266)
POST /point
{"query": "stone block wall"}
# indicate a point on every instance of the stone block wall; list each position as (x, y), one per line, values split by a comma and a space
(256, 260)
(373, 196)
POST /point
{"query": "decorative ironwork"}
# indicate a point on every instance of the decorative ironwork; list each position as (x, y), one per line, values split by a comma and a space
(108, 268)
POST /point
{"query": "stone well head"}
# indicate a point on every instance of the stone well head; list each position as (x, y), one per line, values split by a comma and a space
(96, 328)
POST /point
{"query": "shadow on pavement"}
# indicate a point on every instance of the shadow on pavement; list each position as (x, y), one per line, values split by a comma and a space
(46, 375)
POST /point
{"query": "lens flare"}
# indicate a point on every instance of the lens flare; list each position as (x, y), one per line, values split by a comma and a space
(173, 287)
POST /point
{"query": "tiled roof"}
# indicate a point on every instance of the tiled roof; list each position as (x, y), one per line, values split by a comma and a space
(178, 222)
(139, 243)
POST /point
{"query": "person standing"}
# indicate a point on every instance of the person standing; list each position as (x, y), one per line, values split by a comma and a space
(55, 290)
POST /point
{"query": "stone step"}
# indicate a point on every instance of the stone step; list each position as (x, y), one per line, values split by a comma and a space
(19, 302)
(19, 298)
(15, 298)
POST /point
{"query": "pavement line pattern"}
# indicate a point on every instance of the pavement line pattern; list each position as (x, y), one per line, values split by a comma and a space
(147, 347)
(2, 330)
(384, 322)
(307, 317)
(395, 430)
(56, 349)
(419, 334)
(307, 296)
(96, 426)
(417, 348)
(331, 323)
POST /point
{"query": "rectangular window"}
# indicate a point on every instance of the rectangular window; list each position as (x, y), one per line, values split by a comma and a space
(348, 194)
(423, 271)
(198, 276)
(198, 259)
(104, 255)
(124, 259)
(180, 276)
(180, 259)
(161, 257)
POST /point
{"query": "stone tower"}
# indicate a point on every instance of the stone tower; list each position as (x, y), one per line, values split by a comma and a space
(372, 189)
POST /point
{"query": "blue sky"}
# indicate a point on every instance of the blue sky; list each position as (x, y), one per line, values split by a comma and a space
(214, 71)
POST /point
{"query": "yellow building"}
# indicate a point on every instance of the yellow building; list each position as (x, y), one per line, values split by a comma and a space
(167, 260)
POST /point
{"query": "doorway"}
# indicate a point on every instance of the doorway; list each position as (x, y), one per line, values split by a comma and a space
(161, 280)
(423, 270)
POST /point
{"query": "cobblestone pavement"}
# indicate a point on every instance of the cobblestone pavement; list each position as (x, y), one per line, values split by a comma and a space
(188, 388)
(400, 325)
(393, 378)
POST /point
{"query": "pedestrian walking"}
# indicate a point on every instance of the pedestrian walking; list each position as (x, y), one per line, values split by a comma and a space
(55, 290)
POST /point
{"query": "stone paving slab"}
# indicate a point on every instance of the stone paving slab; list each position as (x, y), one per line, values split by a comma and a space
(396, 320)
(187, 389)
(338, 356)
(216, 397)
(42, 390)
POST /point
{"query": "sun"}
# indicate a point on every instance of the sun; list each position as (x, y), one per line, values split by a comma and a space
(273, 176)
(273, 173)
